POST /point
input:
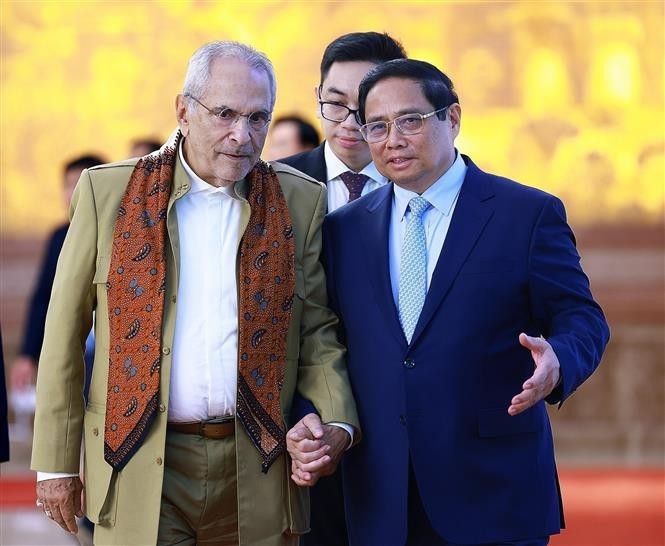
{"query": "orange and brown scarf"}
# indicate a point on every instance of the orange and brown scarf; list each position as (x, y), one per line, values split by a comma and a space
(136, 290)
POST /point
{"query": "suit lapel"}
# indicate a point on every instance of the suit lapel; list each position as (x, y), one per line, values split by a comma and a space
(316, 165)
(473, 210)
(375, 237)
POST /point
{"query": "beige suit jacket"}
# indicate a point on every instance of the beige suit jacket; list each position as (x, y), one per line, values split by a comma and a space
(125, 505)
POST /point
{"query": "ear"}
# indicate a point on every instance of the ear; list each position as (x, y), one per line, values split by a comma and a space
(182, 114)
(317, 111)
(455, 116)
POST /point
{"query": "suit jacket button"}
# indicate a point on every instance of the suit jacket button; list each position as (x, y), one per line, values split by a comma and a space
(166, 350)
(95, 431)
(409, 363)
(402, 419)
(159, 461)
(162, 408)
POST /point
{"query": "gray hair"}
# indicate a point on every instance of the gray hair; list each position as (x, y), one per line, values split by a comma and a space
(198, 70)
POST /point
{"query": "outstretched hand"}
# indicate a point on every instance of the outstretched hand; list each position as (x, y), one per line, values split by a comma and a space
(544, 379)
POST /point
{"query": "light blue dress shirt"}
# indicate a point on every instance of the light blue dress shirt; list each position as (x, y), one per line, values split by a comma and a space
(442, 196)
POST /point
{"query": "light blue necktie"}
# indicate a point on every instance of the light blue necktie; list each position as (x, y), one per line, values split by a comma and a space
(413, 268)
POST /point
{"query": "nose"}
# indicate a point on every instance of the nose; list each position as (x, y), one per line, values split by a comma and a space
(240, 130)
(351, 122)
(395, 139)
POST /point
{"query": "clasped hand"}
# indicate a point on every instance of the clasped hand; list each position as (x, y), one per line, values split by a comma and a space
(315, 449)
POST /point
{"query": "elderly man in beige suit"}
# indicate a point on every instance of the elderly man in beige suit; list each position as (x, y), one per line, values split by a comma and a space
(201, 263)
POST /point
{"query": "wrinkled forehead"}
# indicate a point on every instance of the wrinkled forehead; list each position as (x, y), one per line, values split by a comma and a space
(235, 84)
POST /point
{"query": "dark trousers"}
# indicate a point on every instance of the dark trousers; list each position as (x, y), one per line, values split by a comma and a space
(327, 518)
(421, 532)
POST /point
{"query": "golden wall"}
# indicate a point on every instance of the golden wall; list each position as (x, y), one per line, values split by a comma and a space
(565, 96)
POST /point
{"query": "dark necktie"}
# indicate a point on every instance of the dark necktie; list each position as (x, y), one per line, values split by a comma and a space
(354, 183)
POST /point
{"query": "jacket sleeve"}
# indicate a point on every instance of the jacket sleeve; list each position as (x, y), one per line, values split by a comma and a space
(322, 374)
(562, 303)
(60, 379)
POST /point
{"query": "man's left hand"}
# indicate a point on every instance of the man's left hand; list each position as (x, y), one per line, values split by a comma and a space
(543, 380)
(315, 449)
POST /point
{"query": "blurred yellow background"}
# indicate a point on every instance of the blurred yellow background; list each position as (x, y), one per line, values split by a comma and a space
(567, 97)
(564, 96)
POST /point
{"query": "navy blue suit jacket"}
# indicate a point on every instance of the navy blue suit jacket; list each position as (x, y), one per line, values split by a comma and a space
(33, 334)
(508, 265)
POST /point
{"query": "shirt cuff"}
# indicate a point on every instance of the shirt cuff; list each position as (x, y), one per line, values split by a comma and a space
(346, 427)
(41, 476)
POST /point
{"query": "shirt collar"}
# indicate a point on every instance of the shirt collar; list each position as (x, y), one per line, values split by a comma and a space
(197, 183)
(335, 166)
(441, 195)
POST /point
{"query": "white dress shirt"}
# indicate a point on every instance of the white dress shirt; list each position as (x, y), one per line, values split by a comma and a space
(205, 343)
(338, 193)
(442, 196)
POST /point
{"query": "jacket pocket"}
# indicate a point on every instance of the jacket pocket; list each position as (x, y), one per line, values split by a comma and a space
(98, 472)
(497, 422)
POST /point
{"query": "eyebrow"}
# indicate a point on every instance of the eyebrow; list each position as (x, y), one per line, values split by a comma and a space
(335, 91)
(399, 113)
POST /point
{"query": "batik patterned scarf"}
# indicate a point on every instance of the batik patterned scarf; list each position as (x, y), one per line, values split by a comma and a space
(136, 289)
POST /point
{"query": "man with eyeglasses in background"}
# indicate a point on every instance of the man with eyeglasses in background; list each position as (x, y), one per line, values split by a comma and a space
(464, 309)
(343, 162)
(203, 264)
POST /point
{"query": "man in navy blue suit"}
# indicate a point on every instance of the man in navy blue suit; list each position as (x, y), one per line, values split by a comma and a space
(343, 161)
(464, 308)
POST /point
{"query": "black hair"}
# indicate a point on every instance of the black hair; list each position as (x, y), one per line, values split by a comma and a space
(372, 47)
(307, 133)
(436, 86)
(84, 162)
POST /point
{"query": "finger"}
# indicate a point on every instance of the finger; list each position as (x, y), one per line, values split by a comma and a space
(308, 446)
(81, 510)
(535, 344)
(65, 510)
(53, 512)
(522, 401)
(299, 432)
(313, 422)
(315, 466)
(301, 482)
(309, 456)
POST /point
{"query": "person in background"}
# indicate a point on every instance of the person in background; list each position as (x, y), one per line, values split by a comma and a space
(4, 426)
(343, 161)
(290, 135)
(202, 263)
(464, 309)
(144, 146)
(23, 370)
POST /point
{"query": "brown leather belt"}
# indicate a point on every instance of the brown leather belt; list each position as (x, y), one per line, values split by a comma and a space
(207, 429)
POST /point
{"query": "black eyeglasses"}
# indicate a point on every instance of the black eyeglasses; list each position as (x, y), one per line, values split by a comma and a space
(225, 117)
(408, 124)
(334, 111)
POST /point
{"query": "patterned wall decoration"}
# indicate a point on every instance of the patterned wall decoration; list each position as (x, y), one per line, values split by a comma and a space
(565, 96)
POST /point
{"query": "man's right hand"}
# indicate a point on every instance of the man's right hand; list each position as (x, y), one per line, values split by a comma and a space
(315, 449)
(61, 500)
(22, 373)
